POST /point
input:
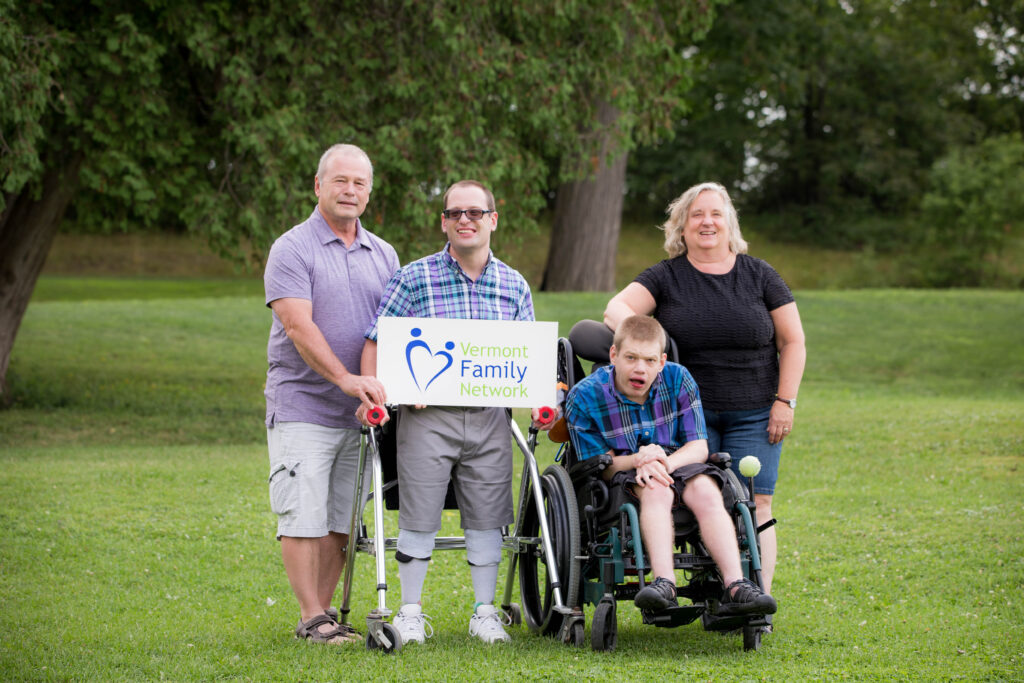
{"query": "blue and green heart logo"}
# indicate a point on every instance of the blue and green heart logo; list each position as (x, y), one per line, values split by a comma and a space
(423, 362)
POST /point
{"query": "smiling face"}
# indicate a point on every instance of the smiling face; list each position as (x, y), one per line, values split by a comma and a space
(707, 229)
(467, 236)
(637, 364)
(343, 189)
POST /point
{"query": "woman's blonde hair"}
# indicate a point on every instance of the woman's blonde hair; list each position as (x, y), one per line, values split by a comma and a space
(679, 209)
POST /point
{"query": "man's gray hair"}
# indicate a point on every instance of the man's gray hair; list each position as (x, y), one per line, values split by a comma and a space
(344, 150)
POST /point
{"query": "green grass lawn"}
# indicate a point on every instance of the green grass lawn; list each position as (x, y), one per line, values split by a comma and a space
(138, 541)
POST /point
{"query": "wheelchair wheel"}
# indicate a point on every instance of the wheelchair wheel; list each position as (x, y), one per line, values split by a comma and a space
(751, 638)
(603, 629)
(535, 587)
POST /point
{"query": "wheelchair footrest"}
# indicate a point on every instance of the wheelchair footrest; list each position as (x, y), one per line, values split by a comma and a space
(682, 561)
(673, 616)
(688, 561)
(724, 624)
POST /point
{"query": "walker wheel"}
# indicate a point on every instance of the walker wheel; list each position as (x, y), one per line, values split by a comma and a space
(576, 634)
(390, 632)
(514, 614)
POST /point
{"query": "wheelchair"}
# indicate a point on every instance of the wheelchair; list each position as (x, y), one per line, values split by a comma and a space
(531, 536)
(598, 549)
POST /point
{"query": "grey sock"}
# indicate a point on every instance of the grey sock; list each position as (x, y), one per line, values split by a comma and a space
(412, 574)
(485, 580)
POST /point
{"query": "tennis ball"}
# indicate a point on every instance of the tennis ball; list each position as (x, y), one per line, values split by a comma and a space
(750, 466)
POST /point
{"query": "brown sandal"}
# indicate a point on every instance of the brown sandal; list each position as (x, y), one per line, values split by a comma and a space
(310, 631)
(350, 632)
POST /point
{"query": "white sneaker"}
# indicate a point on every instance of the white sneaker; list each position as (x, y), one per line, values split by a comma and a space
(486, 624)
(412, 624)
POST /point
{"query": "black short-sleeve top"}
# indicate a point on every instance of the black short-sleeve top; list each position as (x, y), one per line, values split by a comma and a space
(722, 326)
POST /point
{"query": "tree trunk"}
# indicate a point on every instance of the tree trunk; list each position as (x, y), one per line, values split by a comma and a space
(588, 218)
(27, 228)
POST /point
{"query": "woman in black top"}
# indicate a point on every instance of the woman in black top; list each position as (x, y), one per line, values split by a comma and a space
(738, 331)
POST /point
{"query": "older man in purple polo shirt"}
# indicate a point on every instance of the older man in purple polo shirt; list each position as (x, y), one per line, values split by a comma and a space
(324, 280)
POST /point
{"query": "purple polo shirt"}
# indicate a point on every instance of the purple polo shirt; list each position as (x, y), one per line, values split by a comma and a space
(345, 285)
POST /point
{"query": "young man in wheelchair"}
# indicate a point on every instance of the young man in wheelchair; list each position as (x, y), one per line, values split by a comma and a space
(646, 414)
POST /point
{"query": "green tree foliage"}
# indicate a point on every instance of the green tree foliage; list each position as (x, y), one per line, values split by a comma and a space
(839, 108)
(976, 197)
(211, 116)
(26, 76)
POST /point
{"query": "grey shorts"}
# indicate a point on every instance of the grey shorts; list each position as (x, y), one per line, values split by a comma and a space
(472, 447)
(312, 478)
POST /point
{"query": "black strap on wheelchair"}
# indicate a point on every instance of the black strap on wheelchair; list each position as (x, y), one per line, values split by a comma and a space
(767, 525)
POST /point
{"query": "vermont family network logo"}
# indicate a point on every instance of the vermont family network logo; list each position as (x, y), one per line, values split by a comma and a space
(426, 360)
(483, 370)
(459, 362)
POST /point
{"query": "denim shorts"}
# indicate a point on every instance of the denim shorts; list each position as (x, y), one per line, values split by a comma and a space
(312, 478)
(741, 433)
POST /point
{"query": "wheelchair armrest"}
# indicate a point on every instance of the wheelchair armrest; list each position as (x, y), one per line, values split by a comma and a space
(589, 468)
(720, 460)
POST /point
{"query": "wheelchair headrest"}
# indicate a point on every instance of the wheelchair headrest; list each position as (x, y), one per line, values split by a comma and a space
(591, 340)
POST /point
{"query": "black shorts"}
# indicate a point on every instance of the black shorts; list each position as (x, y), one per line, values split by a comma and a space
(626, 478)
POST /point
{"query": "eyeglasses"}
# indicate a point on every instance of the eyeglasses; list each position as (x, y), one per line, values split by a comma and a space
(471, 214)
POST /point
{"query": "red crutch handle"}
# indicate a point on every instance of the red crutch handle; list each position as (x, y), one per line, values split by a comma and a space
(375, 415)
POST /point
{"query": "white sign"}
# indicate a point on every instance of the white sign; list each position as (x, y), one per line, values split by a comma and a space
(450, 362)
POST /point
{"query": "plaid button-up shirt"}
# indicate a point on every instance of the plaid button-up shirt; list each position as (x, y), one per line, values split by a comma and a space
(436, 287)
(601, 419)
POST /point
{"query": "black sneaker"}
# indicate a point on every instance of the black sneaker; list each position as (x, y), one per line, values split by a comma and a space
(748, 598)
(658, 595)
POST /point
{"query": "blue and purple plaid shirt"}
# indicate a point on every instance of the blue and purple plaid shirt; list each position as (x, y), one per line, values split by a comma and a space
(601, 419)
(436, 287)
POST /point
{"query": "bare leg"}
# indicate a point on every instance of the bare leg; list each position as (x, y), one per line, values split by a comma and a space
(704, 499)
(301, 558)
(769, 548)
(657, 528)
(332, 563)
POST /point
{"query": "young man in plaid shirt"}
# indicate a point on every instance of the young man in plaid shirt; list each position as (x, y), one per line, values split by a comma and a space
(646, 414)
(471, 447)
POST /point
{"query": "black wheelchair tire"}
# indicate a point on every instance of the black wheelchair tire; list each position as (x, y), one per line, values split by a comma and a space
(604, 634)
(564, 526)
(751, 638)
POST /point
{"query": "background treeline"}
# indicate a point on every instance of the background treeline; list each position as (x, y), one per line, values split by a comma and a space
(844, 124)
(885, 126)
(872, 124)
